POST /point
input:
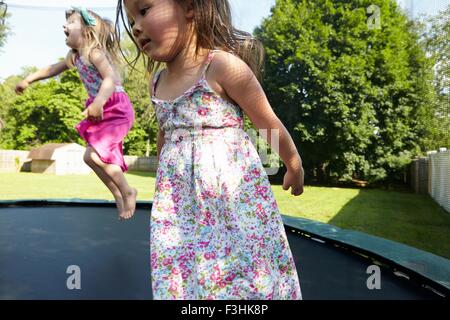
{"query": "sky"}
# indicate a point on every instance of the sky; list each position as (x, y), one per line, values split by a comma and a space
(37, 37)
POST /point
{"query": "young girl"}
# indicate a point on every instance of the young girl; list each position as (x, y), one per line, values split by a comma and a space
(216, 232)
(109, 113)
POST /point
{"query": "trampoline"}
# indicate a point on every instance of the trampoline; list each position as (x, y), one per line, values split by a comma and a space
(39, 240)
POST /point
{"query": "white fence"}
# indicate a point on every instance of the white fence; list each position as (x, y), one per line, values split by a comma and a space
(439, 177)
(14, 161)
(141, 163)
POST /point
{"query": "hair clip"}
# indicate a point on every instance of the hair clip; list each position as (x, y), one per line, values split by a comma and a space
(87, 17)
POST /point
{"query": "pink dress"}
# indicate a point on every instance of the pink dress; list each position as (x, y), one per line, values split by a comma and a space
(106, 136)
(216, 232)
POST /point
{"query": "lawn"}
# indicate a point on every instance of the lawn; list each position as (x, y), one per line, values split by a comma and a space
(415, 220)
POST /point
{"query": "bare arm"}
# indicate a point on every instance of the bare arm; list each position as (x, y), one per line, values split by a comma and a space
(47, 72)
(104, 67)
(95, 110)
(44, 73)
(241, 85)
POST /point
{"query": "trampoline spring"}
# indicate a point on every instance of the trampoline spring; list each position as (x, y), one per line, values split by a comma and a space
(401, 274)
(379, 263)
(434, 290)
(318, 240)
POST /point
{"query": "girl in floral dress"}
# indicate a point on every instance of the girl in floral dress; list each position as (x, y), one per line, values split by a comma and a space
(216, 231)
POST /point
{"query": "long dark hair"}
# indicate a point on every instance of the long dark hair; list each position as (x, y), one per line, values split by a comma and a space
(214, 30)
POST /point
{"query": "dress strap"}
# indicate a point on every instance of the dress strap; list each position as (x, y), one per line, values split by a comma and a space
(155, 81)
(208, 62)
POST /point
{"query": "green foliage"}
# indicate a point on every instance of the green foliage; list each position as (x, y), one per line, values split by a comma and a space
(4, 91)
(4, 28)
(47, 112)
(358, 101)
(353, 97)
(436, 40)
(8, 96)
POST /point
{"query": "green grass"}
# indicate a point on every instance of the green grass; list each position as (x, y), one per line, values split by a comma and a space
(408, 218)
(46, 186)
(415, 220)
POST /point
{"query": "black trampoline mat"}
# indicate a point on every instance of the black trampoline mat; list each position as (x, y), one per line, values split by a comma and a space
(327, 272)
(38, 244)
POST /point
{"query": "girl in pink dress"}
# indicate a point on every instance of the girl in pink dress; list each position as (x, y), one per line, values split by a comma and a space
(109, 112)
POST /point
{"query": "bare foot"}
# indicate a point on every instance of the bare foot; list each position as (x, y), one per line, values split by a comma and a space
(129, 201)
(120, 206)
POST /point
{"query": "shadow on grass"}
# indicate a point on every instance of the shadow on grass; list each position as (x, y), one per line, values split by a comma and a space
(412, 219)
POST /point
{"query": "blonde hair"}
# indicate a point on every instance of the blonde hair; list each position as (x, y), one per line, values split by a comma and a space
(101, 36)
(214, 30)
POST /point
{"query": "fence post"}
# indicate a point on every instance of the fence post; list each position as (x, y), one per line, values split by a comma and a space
(439, 177)
(423, 175)
(431, 172)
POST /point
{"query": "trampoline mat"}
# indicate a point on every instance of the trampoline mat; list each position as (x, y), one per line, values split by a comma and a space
(38, 244)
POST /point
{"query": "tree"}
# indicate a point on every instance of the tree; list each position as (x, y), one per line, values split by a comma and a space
(436, 40)
(59, 102)
(4, 28)
(46, 112)
(8, 97)
(352, 96)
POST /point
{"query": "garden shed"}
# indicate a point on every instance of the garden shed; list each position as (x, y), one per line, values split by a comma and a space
(59, 159)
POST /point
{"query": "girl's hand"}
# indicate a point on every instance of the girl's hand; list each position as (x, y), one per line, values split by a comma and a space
(21, 86)
(94, 112)
(295, 180)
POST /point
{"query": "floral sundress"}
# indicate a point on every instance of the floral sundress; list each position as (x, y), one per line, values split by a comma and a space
(216, 231)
